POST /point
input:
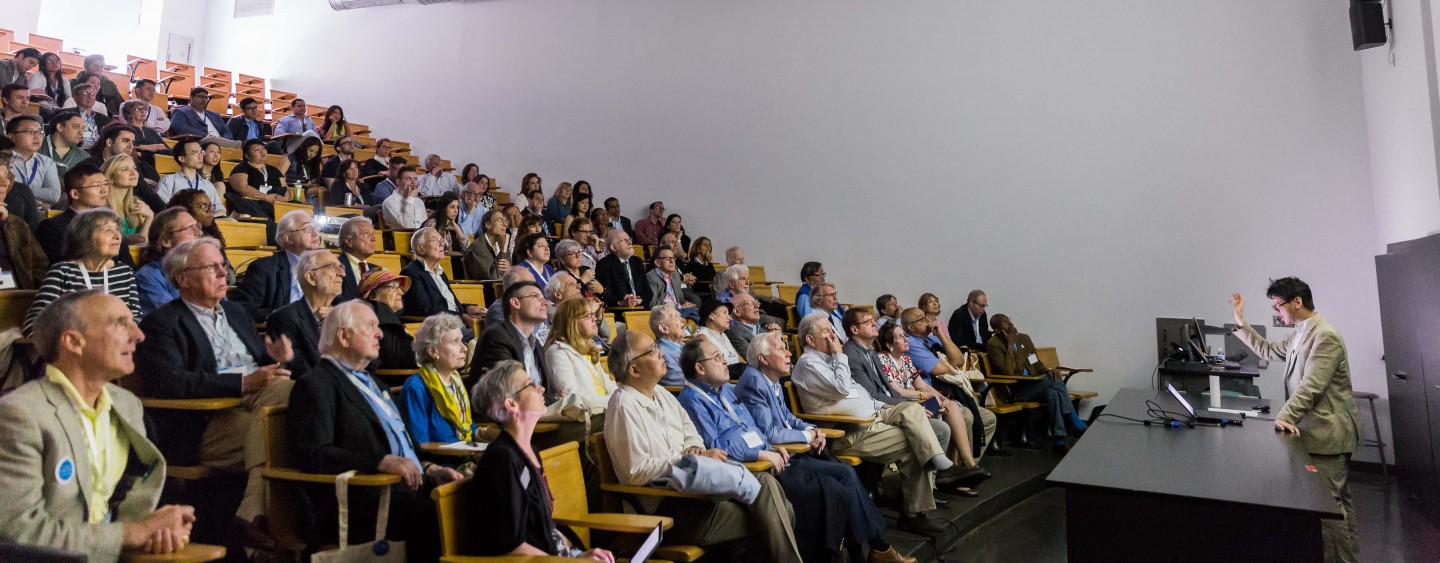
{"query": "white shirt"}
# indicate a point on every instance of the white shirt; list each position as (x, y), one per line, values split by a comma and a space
(174, 183)
(646, 436)
(572, 373)
(824, 385)
(156, 119)
(721, 343)
(403, 212)
(431, 186)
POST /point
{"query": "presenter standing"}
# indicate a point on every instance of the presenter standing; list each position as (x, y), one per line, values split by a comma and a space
(1319, 408)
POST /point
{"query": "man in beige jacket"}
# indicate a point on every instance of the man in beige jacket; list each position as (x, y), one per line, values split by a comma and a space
(1319, 407)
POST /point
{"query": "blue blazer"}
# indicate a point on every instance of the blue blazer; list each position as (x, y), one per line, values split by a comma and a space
(772, 417)
(422, 419)
(184, 121)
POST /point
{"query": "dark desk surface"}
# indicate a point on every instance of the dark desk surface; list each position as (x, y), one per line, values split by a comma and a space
(1247, 465)
(1246, 371)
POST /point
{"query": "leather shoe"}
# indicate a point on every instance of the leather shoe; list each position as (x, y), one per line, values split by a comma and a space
(889, 556)
(956, 473)
(919, 524)
(971, 479)
(1060, 448)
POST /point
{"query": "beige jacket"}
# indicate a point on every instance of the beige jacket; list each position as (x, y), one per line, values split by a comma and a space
(43, 432)
(1317, 385)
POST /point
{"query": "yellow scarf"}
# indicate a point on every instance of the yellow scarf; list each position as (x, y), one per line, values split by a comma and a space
(452, 409)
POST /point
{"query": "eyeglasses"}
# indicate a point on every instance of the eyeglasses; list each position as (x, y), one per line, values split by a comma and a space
(103, 184)
(192, 227)
(218, 269)
(1276, 306)
(826, 295)
(531, 296)
(718, 357)
(653, 350)
(528, 384)
(389, 286)
(664, 258)
(335, 266)
(306, 229)
(33, 132)
(981, 305)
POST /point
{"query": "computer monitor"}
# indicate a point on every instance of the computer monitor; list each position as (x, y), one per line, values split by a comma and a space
(1173, 338)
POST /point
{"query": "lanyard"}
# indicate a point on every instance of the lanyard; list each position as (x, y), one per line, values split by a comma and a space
(34, 169)
(85, 276)
(369, 390)
(539, 274)
(193, 185)
(264, 170)
(728, 409)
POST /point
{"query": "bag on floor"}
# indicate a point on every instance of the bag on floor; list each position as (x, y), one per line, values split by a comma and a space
(379, 551)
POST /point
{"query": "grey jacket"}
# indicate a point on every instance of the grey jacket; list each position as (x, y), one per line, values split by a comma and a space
(865, 370)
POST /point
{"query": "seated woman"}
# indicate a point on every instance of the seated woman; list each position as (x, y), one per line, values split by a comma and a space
(147, 141)
(304, 169)
(434, 401)
(135, 216)
(91, 244)
(385, 292)
(532, 253)
(334, 126)
(700, 266)
(580, 209)
(714, 321)
(907, 381)
(202, 209)
(673, 224)
(211, 167)
(347, 182)
(513, 509)
(447, 221)
(171, 227)
(568, 255)
(254, 179)
(571, 358)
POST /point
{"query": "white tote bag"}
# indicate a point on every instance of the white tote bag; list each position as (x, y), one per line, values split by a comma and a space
(378, 551)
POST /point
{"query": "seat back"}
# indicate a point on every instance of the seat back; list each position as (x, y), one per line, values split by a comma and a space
(390, 261)
(787, 292)
(792, 400)
(14, 303)
(457, 525)
(567, 484)
(243, 234)
(469, 293)
(638, 321)
(285, 501)
(757, 275)
(283, 206)
(602, 460)
(240, 259)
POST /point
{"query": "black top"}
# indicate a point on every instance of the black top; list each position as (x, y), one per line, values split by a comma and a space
(611, 274)
(297, 322)
(265, 286)
(502, 342)
(424, 297)
(395, 350)
(52, 233)
(270, 181)
(240, 130)
(21, 202)
(513, 503)
(963, 332)
(335, 195)
(1244, 465)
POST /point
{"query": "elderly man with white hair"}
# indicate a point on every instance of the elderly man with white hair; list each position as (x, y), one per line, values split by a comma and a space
(436, 181)
(825, 300)
(430, 291)
(622, 273)
(357, 245)
(320, 282)
(341, 420)
(899, 434)
(669, 329)
(270, 282)
(736, 280)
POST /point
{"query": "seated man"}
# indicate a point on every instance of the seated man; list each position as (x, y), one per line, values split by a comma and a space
(108, 93)
(669, 329)
(390, 177)
(430, 291)
(19, 200)
(92, 113)
(85, 189)
(515, 339)
(647, 433)
(298, 122)
(345, 146)
(811, 274)
(815, 486)
(14, 70)
(888, 307)
(195, 121)
(666, 286)
(31, 168)
(58, 495)
(901, 434)
(970, 324)
(320, 279)
(117, 139)
(249, 124)
(617, 221)
(270, 283)
(357, 244)
(535, 207)
(155, 118)
(190, 158)
(826, 300)
(403, 209)
(934, 354)
(62, 145)
(14, 102)
(622, 273)
(201, 346)
(1012, 353)
(170, 227)
(341, 420)
(437, 181)
(736, 280)
(648, 229)
(865, 367)
(746, 322)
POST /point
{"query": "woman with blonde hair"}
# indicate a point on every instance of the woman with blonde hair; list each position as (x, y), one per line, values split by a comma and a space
(572, 358)
(135, 217)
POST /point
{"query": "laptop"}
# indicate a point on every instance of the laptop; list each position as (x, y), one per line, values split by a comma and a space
(1204, 415)
(648, 547)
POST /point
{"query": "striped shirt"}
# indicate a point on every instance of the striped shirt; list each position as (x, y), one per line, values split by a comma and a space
(68, 277)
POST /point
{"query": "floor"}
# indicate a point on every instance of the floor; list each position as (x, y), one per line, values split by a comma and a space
(1034, 530)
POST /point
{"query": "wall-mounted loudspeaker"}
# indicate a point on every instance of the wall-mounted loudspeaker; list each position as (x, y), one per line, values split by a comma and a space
(1367, 23)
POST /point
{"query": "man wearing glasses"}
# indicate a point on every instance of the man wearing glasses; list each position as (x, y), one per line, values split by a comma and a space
(195, 120)
(321, 278)
(85, 188)
(345, 146)
(970, 325)
(249, 125)
(436, 181)
(516, 338)
(202, 346)
(471, 212)
(29, 166)
(270, 282)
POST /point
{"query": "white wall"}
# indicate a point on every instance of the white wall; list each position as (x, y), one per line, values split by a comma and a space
(21, 17)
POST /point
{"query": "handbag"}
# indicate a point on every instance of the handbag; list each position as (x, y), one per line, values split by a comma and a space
(380, 550)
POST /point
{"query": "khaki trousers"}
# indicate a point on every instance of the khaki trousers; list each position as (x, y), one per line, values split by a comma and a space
(986, 417)
(705, 523)
(902, 435)
(234, 441)
(1339, 535)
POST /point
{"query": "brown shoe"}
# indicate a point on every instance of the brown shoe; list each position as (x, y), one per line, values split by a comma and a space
(889, 556)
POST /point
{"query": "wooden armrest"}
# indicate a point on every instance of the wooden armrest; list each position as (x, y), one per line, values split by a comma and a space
(619, 309)
(363, 480)
(1073, 370)
(621, 523)
(648, 491)
(505, 559)
(834, 418)
(794, 448)
(193, 552)
(543, 427)
(216, 404)
(759, 465)
(767, 283)
(1014, 378)
(831, 433)
(673, 389)
(440, 449)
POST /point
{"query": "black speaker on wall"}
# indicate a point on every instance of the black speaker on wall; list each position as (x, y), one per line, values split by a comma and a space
(1367, 23)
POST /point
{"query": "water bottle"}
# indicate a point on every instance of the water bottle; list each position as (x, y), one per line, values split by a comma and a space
(299, 193)
(349, 199)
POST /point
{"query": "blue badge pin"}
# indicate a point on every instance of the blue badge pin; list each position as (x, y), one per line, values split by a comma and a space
(65, 472)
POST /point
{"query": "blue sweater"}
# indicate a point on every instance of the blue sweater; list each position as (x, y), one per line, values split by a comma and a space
(422, 419)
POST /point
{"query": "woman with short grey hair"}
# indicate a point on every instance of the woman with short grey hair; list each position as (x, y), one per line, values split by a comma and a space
(434, 403)
(92, 243)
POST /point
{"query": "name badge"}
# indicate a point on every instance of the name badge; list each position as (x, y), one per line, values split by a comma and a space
(854, 392)
(1034, 359)
(525, 478)
(752, 439)
(7, 280)
(65, 472)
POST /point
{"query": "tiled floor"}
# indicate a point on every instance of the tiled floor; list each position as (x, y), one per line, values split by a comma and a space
(1034, 530)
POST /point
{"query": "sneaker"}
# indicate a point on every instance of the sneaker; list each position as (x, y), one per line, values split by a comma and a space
(919, 524)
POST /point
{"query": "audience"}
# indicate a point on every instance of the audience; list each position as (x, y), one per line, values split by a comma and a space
(135, 215)
(62, 145)
(345, 146)
(155, 117)
(357, 245)
(385, 292)
(487, 257)
(403, 209)
(622, 273)
(674, 225)
(735, 280)
(515, 512)
(931, 352)
(714, 321)
(579, 210)
(572, 358)
(198, 204)
(648, 436)
(92, 242)
(14, 102)
(557, 209)
(269, 283)
(436, 180)
(899, 434)
(88, 340)
(434, 402)
(50, 82)
(866, 368)
(297, 123)
(535, 209)
(472, 208)
(666, 286)
(190, 155)
(529, 183)
(374, 169)
(385, 185)
(194, 120)
(648, 229)
(340, 420)
(495, 313)
(31, 168)
(430, 287)
(515, 338)
(319, 275)
(119, 140)
(701, 266)
(669, 331)
(971, 324)
(203, 346)
(139, 115)
(1010, 352)
(592, 246)
(108, 93)
(827, 497)
(171, 227)
(304, 168)
(745, 324)
(825, 300)
(532, 253)
(20, 254)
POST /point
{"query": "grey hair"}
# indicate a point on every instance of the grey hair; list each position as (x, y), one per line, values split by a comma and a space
(494, 387)
(287, 224)
(81, 87)
(761, 346)
(620, 356)
(429, 333)
(417, 237)
(178, 258)
(807, 325)
(815, 295)
(552, 288)
(59, 316)
(731, 274)
(659, 314)
(130, 106)
(307, 262)
(566, 246)
(341, 316)
(351, 227)
(614, 235)
(79, 241)
(513, 276)
(731, 252)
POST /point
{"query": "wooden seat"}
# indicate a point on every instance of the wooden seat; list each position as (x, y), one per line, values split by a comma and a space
(638, 321)
(240, 258)
(787, 292)
(14, 303)
(390, 261)
(191, 553)
(282, 207)
(242, 234)
(793, 401)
